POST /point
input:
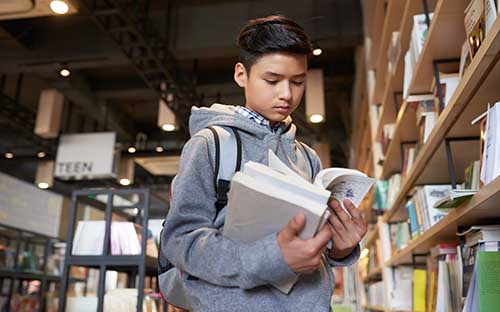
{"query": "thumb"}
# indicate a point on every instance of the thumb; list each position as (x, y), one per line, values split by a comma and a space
(294, 226)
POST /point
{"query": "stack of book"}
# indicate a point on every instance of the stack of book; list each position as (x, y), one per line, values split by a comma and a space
(418, 36)
(420, 207)
(400, 235)
(393, 189)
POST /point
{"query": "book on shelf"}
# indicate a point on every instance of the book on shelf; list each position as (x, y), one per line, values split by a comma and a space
(490, 15)
(408, 73)
(472, 175)
(393, 189)
(483, 288)
(387, 135)
(258, 187)
(490, 167)
(427, 122)
(454, 199)
(449, 83)
(394, 52)
(380, 194)
(420, 104)
(409, 153)
(419, 289)
(474, 25)
(399, 235)
(465, 58)
(402, 288)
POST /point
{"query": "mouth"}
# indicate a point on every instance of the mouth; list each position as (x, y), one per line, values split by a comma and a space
(283, 109)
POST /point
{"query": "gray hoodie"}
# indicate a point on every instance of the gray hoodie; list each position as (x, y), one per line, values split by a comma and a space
(221, 274)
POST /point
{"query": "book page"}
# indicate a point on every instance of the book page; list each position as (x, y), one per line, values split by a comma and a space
(275, 163)
(353, 187)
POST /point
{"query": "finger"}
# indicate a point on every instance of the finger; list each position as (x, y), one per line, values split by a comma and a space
(336, 237)
(338, 226)
(344, 217)
(333, 203)
(321, 239)
(294, 226)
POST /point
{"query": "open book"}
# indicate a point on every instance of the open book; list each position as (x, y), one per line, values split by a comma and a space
(263, 199)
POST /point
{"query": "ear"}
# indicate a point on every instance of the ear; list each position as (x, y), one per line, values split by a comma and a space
(240, 75)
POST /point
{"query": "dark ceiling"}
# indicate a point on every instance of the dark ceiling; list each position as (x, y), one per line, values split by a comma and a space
(119, 52)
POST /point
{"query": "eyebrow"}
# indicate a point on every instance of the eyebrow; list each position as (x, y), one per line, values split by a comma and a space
(279, 75)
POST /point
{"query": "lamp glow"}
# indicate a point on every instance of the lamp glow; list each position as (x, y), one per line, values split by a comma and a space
(364, 253)
(132, 150)
(43, 185)
(59, 7)
(41, 154)
(9, 155)
(159, 149)
(317, 51)
(168, 127)
(316, 118)
(125, 182)
(64, 72)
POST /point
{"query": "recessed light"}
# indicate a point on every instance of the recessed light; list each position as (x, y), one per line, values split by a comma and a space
(316, 118)
(40, 154)
(132, 150)
(59, 7)
(317, 51)
(9, 155)
(159, 149)
(168, 127)
(64, 72)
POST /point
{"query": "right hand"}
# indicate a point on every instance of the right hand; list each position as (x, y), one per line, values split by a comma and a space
(302, 256)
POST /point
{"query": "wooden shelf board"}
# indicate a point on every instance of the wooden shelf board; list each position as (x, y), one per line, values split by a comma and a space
(477, 83)
(448, 19)
(392, 22)
(406, 131)
(371, 237)
(375, 21)
(373, 275)
(373, 308)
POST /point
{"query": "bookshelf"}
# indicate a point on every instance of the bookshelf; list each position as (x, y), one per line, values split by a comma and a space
(453, 142)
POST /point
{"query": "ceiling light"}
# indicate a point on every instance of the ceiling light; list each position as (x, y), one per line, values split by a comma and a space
(64, 72)
(132, 150)
(136, 211)
(40, 154)
(125, 182)
(159, 149)
(168, 127)
(43, 185)
(316, 118)
(9, 155)
(59, 6)
(317, 51)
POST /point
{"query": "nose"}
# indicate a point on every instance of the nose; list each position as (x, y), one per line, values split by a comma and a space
(285, 92)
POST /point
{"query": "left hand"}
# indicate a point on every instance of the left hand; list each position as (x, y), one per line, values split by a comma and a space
(347, 232)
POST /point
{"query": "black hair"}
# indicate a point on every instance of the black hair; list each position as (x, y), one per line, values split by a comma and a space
(274, 33)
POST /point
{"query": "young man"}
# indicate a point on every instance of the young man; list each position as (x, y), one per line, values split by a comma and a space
(224, 275)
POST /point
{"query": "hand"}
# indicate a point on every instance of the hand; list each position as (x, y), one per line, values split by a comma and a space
(347, 231)
(302, 256)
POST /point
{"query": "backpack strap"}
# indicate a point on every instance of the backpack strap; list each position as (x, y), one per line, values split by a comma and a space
(227, 161)
(301, 146)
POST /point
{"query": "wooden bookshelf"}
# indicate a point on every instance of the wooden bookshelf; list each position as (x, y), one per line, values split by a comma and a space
(391, 23)
(374, 13)
(482, 207)
(476, 85)
(440, 45)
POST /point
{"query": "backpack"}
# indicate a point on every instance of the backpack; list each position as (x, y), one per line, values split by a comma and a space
(228, 157)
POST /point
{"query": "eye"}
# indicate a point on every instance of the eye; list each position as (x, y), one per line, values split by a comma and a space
(298, 83)
(271, 82)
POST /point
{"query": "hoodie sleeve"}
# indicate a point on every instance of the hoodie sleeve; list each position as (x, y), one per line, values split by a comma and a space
(192, 243)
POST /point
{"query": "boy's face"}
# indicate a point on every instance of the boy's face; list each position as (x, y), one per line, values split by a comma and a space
(275, 84)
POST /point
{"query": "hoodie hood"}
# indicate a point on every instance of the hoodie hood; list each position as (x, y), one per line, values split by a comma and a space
(225, 115)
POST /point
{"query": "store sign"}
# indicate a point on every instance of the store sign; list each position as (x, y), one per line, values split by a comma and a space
(25, 206)
(86, 156)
